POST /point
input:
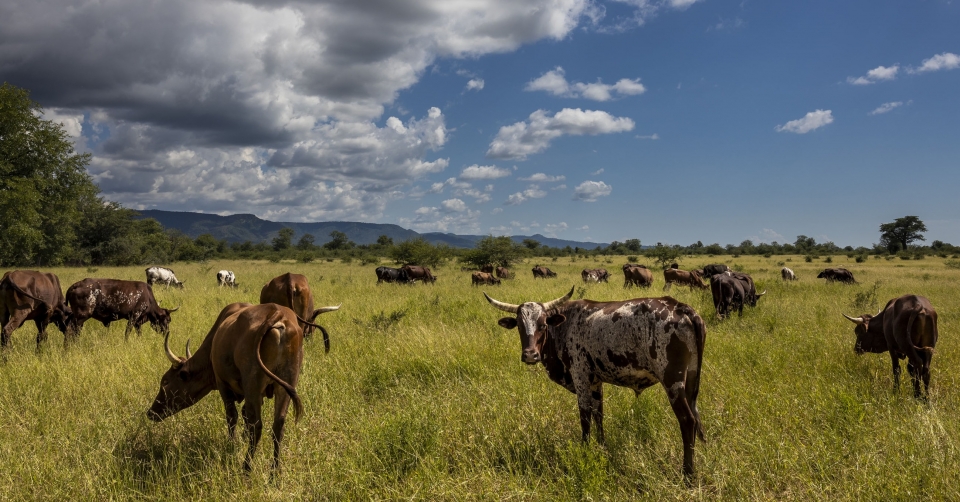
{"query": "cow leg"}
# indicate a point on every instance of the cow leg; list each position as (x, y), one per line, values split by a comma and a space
(41, 331)
(896, 369)
(280, 406)
(253, 425)
(230, 410)
(676, 392)
(586, 401)
(126, 332)
(666, 287)
(14, 322)
(915, 377)
(596, 392)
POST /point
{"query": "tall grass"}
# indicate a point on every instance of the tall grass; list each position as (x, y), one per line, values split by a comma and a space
(423, 396)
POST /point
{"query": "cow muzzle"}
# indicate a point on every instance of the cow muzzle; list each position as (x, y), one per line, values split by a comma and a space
(530, 356)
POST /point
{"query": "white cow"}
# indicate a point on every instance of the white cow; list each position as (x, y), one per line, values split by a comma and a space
(226, 278)
(787, 274)
(162, 275)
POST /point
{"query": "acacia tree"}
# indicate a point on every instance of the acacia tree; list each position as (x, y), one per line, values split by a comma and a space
(901, 232)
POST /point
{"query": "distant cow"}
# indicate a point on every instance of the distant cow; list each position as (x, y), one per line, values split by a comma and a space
(387, 274)
(226, 278)
(750, 295)
(108, 300)
(787, 274)
(542, 272)
(293, 292)
(713, 269)
(728, 294)
(595, 275)
(682, 277)
(26, 295)
(478, 278)
(503, 273)
(637, 276)
(162, 275)
(629, 265)
(251, 352)
(488, 268)
(907, 327)
(417, 273)
(837, 274)
(634, 343)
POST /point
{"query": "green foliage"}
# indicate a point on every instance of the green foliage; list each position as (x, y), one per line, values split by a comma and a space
(632, 258)
(306, 242)
(419, 252)
(499, 251)
(952, 263)
(338, 241)
(283, 239)
(898, 234)
(665, 255)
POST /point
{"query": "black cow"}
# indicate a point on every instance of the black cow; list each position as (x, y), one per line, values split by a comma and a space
(108, 300)
(387, 274)
(837, 274)
(713, 269)
(728, 294)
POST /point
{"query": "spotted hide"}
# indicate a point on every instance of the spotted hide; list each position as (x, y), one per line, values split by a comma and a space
(108, 300)
(633, 343)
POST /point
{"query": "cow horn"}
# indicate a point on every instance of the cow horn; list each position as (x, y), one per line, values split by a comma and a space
(189, 355)
(858, 320)
(324, 310)
(176, 309)
(166, 347)
(559, 301)
(764, 292)
(506, 307)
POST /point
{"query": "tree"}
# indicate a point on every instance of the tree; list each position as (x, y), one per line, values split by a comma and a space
(633, 245)
(305, 243)
(338, 240)
(901, 232)
(384, 241)
(665, 255)
(419, 252)
(44, 185)
(283, 238)
(499, 251)
(531, 244)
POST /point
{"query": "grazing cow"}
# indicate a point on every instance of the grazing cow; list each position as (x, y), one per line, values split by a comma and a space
(478, 278)
(543, 272)
(728, 294)
(637, 276)
(226, 278)
(595, 275)
(387, 274)
(417, 273)
(28, 294)
(162, 275)
(907, 327)
(293, 292)
(251, 352)
(629, 265)
(488, 268)
(634, 343)
(837, 274)
(503, 273)
(713, 269)
(682, 277)
(787, 274)
(750, 295)
(108, 300)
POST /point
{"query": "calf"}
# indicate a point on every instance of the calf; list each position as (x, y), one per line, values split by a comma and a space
(478, 278)
(26, 295)
(387, 274)
(162, 275)
(595, 275)
(418, 273)
(503, 273)
(787, 274)
(542, 272)
(108, 300)
(637, 276)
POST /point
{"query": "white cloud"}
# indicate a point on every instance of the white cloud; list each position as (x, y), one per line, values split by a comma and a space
(432, 219)
(551, 229)
(945, 61)
(521, 139)
(767, 235)
(477, 172)
(454, 205)
(72, 122)
(559, 187)
(886, 107)
(875, 75)
(811, 121)
(597, 172)
(496, 210)
(554, 82)
(543, 178)
(533, 192)
(590, 191)
(584, 228)
(474, 84)
(653, 136)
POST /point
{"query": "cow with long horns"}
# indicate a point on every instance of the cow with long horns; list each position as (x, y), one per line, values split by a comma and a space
(293, 292)
(907, 328)
(108, 300)
(633, 343)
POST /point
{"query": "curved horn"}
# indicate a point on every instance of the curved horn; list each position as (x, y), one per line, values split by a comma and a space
(506, 307)
(761, 294)
(559, 301)
(176, 309)
(858, 320)
(324, 310)
(166, 347)
(189, 355)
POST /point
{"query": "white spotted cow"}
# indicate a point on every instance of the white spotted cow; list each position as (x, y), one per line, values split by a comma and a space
(226, 278)
(162, 275)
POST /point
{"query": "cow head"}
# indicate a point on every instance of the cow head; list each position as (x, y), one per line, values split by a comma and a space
(61, 316)
(179, 284)
(531, 321)
(180, 387)
(160, 319)
(754, 298)
(869, 331)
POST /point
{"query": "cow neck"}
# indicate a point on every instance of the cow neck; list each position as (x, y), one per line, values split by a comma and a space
(201, 365)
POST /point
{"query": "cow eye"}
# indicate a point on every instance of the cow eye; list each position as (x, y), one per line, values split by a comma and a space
(184, 375)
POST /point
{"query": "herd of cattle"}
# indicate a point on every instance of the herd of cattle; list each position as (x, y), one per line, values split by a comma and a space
(254, 352)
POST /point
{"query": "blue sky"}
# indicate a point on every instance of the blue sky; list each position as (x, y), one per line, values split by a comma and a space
(665, 120)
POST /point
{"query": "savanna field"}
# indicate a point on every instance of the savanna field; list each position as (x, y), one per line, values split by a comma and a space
(424, 396)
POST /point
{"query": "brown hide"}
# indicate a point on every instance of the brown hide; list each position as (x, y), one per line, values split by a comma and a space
(637, 276)
(31, 295)
(108, 300)
(682, 277)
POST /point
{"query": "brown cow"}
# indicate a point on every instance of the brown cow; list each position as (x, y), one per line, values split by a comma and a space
(907, 327)
(479, 278)
(837, 274)
(251, 352)
(543, 272)
(634, 343)
(293, 292)
(28, 294)
(682, 277)
(487, 268)
(418, 273)
(108, 300)
(503, 273)
(637, 276)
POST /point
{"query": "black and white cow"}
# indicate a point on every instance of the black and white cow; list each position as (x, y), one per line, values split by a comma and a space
(226, 278)
(633, 343)
(787, 274)
(162, 275)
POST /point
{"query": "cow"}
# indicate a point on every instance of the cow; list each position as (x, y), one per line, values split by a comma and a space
(713, 269)
(26, 295)
(633, 343)
(293, 292)
(487, 268)
(787, 274)
(226, 278)
(108, 300)
(542, 272)
(478, 278)
(837, 274)
(907, 328)
(503, 273)
(682, 277)
(162, 275)
(750, 295)
(387, 274)
(418, 273)
(629, 265)
(637, 276)
(251, 352)
(595, 275)
(728, 294)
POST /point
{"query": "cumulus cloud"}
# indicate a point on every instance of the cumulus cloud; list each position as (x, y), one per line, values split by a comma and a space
(944, 61)
(551, 229)
(767, 235)
(72, 122)
(543, 178)
(597, 172)
(434, 219)
(474, 84)
(521, 139)
(886, 107)
(462, 189)
(534, 192)
(875, 75)
(653, 136)
(590, 191)
(454, 205)
(477, 172)
(554, 82)
(811, 121)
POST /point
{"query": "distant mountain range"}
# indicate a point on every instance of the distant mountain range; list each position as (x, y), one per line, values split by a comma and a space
(247, 227)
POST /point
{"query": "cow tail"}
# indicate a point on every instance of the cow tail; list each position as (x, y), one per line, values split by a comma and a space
(924, 353)
(700, 330)
(292, 392)
(24, 293)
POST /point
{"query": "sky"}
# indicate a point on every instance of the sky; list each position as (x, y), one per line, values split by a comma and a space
(669, 121)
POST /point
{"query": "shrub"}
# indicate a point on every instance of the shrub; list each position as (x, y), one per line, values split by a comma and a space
(860, 259)
(952, 263)
(808, 258)
(633, 259)
(305, 258)
(369, 260)
(346, 259)
(828, 260)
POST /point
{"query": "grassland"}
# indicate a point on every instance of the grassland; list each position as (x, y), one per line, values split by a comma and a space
(423, 396)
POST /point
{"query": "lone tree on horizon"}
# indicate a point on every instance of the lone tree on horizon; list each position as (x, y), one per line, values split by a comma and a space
(901, 232)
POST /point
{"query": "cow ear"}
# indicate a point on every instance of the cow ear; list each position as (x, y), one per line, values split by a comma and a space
(556, 319)
(508, 322)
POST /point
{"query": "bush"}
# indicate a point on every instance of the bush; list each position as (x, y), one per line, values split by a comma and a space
(305, 258)
(952, 263)
(632, 259)
(369, 260)
(346, 259)
(860, 259)
(808, 258)
(828, 260)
